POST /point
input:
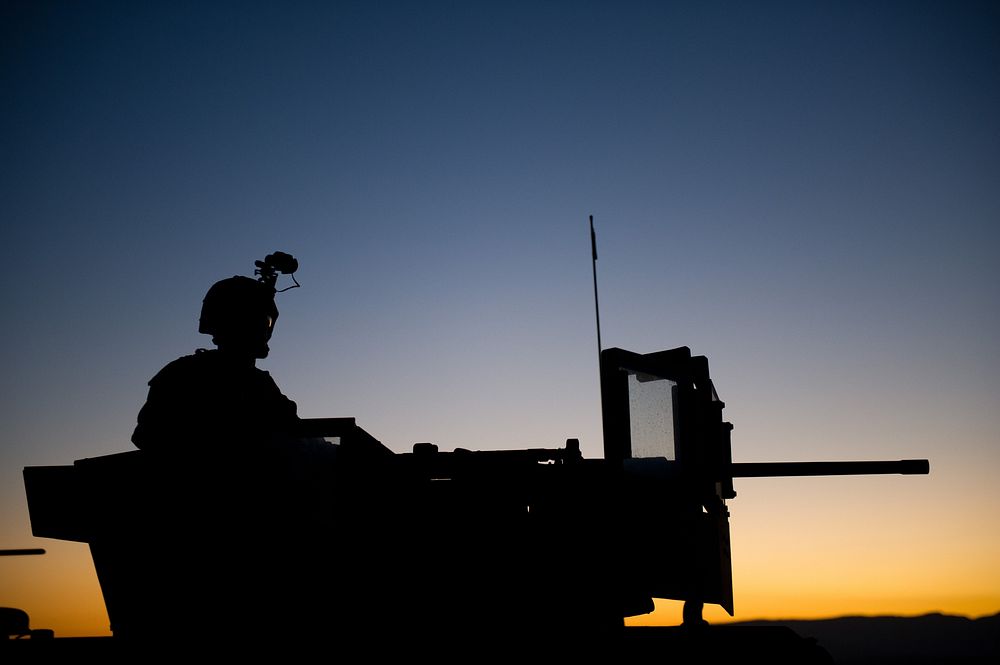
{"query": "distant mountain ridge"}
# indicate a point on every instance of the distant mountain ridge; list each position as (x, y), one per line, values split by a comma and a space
(929, 639)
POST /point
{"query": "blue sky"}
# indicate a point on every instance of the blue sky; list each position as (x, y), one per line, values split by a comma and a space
(804, 192)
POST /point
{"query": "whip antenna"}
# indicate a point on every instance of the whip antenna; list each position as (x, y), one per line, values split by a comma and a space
(597, 309)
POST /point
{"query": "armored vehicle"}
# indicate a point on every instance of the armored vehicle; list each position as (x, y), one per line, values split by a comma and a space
(467, 553)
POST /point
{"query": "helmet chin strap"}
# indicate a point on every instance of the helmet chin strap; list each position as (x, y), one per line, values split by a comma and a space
(237, 347)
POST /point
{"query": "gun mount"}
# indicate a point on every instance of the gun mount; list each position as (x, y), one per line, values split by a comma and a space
(663, 419)
(502, 547)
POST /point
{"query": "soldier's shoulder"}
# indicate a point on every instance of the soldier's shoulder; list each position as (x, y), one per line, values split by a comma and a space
(193, 363)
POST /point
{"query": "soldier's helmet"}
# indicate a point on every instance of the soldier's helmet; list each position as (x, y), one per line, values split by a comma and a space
(237, 306)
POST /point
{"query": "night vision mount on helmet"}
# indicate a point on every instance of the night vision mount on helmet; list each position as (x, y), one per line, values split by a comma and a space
(238, 300)
(279, 262)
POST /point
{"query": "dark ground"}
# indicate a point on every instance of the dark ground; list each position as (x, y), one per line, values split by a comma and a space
(926, 640)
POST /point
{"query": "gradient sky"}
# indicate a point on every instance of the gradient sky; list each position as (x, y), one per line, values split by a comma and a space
(808, 193)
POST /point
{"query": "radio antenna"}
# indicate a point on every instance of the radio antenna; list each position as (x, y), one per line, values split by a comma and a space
(597, 309)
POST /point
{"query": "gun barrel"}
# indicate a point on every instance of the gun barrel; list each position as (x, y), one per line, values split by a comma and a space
(771, 469)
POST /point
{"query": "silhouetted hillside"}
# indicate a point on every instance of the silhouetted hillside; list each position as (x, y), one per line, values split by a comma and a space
(922, 640)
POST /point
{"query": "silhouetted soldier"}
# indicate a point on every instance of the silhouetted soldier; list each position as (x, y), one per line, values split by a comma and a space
(218, 401)
(215, 410)
(243, 484)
